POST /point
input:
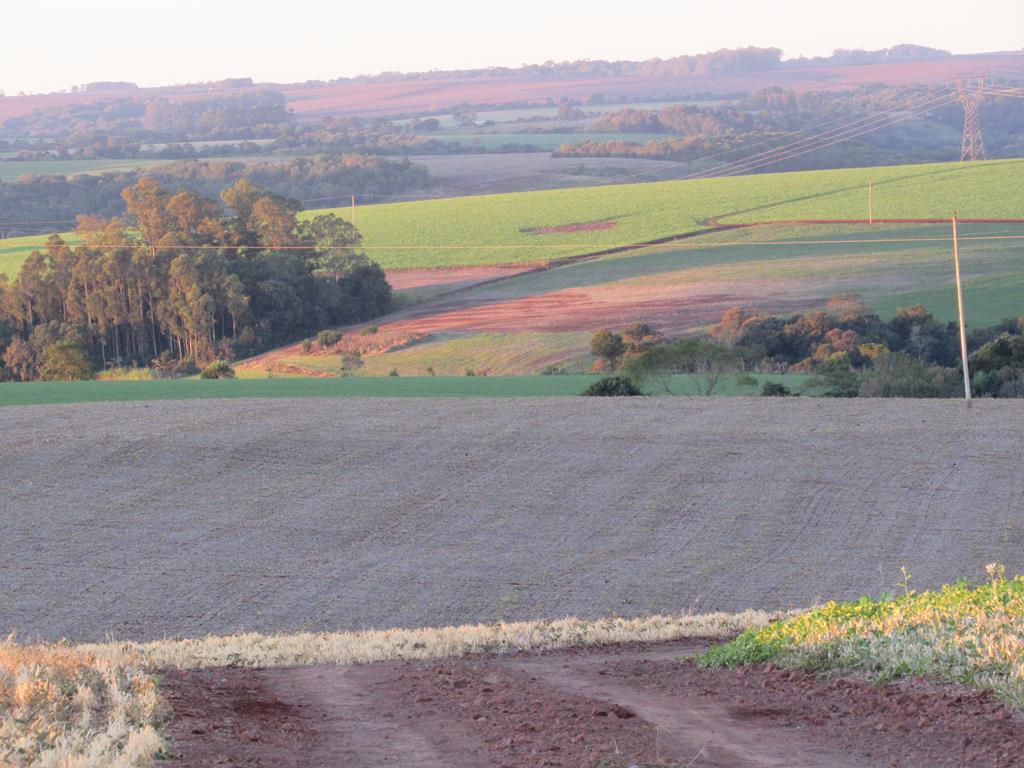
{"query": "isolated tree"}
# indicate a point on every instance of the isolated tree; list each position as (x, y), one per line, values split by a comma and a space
(351, 361)
(607, 347)
(705, 361)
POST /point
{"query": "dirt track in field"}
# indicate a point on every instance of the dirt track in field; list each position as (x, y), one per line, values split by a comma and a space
(144, 520)
(611, 707)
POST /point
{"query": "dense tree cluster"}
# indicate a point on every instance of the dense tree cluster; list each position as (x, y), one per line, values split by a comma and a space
(247, 114)
(848, 350)
(771, 117)
(179, 283)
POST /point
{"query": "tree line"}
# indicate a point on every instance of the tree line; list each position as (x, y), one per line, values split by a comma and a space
(771, 117)
(180, 282)
(848, 351)
(59, 198)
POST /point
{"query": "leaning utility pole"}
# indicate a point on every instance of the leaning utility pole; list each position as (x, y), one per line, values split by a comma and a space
(960, 311)
(973, 145)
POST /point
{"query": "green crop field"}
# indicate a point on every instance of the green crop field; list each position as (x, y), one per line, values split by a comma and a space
(528, 322)
(493, 229)
(496, 229)
(14, 251)
(45, 393)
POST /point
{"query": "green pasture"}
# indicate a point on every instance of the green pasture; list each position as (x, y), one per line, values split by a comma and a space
(494, 229)
(497, 229)
(14, 251)
(46, 393)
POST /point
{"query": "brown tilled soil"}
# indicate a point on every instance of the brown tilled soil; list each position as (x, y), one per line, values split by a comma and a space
(609, 707)
(451, 277)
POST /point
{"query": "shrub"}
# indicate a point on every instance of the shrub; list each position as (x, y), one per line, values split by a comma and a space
(328, 338)
(612, 386)
(219, 369)
(65, 360)
(430, 371)
(470, 372)
(837, 377)
(608, 347)
(775, 389)
(393, 372)
(307, 346)
(370, 330)
(350, 363)
(898, 374)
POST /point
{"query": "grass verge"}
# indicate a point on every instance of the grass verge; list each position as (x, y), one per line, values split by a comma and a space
(961, 634)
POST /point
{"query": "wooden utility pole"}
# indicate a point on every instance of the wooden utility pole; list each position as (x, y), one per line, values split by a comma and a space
(871, 206)
(353, 210)
(960, 311)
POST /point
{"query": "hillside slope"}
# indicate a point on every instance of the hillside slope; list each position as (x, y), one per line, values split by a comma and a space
(531, 227)
(327, 514)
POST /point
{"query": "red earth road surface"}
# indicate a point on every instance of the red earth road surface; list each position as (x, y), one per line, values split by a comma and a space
(612, 707)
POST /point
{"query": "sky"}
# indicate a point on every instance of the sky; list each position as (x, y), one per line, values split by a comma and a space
(54, 45)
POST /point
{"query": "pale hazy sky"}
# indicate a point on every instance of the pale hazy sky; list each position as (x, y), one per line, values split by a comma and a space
(53, 45)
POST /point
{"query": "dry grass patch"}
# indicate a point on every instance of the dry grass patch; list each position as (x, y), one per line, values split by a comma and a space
(384, 645)
(98, 705)
(62, 706)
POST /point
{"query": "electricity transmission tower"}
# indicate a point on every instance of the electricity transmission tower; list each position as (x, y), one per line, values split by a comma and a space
(971, 94)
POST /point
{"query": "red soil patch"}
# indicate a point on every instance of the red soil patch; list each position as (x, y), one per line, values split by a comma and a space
(586, 226)
(672, 309)
(609, 707)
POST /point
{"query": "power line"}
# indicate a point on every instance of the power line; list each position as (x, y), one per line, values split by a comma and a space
(973, 145)
(675, 245)
(840, 125)
(824, 141)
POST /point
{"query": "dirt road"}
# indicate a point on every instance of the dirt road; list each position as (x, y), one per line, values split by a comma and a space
(610, 707)
(145, 520)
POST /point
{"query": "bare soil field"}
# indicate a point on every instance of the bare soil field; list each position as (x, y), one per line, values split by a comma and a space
(451, 278)
(611, 707)
(147, 520)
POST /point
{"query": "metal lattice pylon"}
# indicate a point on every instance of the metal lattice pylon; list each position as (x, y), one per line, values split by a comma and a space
(973, 146)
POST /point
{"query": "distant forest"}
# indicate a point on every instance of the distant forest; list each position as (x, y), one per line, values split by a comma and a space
(725, 61)
(317, 179)
(770, 117)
